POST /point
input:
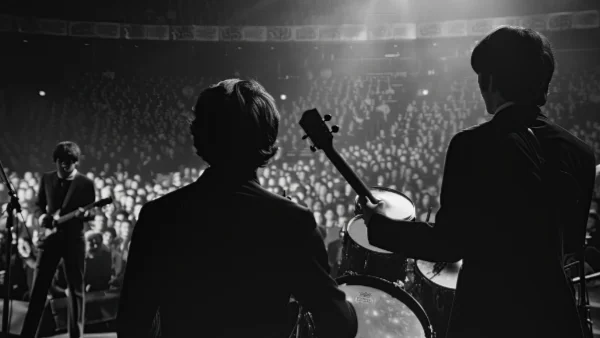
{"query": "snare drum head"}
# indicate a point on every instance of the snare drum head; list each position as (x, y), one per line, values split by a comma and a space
(446, 277)
(384, 310)
(397, 206)
(357, 230)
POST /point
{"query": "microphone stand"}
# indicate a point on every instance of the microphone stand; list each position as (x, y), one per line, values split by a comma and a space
(12, 206)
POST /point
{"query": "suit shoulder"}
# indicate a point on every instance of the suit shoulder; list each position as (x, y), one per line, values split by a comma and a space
(281, 201)
(476, 130)
(48, 174)
(171, 198)
(84, 178)
(291, 209)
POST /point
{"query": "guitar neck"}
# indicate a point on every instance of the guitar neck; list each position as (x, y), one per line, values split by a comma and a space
(349, 175)
(72, 214)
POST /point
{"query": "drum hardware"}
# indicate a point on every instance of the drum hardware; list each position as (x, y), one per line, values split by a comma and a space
(382, 309)
(434, 287)
(581, 293)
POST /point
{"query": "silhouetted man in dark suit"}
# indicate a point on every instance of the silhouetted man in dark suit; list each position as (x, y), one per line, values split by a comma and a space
(231, 275)
(529, 179)
(66, 190)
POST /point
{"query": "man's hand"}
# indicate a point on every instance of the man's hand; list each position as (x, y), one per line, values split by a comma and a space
(369, 208)
(46, 221)
(81, 213)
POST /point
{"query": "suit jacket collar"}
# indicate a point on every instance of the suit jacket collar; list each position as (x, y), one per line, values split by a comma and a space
(516, 116)
(504, 106)
(220, 176)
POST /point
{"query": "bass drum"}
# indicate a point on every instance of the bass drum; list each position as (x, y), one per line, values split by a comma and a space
(383, 310)
(434, 287)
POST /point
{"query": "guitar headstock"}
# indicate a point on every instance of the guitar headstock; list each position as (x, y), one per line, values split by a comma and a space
(317, 130)
(103, 202)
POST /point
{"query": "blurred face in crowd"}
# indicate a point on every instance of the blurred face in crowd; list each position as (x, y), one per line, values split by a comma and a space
(318, 217)
(425, 201)
(322, 191)
(126, 229)
(21, 194)
(340, 210)
(329, 198)
(419, 183)
(99, 183)
(98, 224)
(129, 202)
(329, 215)
(107, 238)
(347, 189)
(317, 206)
(308, 200)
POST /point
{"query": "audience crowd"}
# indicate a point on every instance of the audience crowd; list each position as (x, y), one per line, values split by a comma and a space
(136, 147)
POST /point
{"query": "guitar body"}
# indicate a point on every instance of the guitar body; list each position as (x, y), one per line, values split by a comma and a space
(59, 221)
(44, 232)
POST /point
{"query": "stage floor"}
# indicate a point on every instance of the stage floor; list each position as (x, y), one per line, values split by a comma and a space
(90, 335)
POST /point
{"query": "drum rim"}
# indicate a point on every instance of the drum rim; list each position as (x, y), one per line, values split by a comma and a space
(422, 275)
(347, 234)
(394, 291)
(378, 187)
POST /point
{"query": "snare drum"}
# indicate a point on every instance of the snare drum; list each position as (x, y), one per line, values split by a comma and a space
(361, 257)
(397, 205)
(382, 310)
(434, 287)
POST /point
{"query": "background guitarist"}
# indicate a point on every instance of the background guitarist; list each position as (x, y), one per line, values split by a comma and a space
(63, 191)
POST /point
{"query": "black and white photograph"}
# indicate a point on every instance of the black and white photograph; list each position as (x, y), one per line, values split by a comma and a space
(300, 168)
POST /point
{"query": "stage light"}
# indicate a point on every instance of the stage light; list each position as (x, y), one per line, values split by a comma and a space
(42, 93)
(283, 96)
(425, 92)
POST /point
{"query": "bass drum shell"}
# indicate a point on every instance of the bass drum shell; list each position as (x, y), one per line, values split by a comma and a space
(382, 310)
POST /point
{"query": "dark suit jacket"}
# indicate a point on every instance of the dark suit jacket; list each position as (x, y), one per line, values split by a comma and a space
(81, 193)
(499, 215)
(211, 259)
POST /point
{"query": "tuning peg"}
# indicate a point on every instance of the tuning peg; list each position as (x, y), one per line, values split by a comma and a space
(335, 129)
(313, 148)
(327, 117)
(304, 137)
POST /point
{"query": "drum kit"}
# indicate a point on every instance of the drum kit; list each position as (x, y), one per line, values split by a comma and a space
(393, 295)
